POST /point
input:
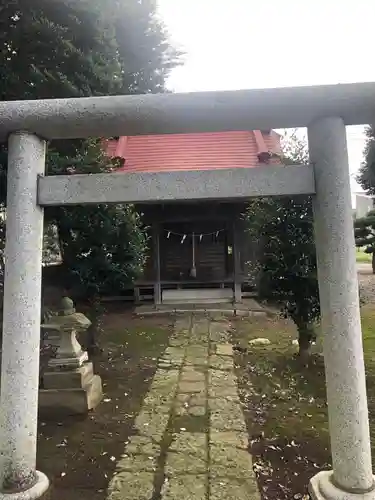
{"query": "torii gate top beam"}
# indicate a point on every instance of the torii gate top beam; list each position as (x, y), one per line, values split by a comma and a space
(191, 112)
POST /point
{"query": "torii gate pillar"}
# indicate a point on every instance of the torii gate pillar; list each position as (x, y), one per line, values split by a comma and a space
(19, 479)
(351, 478)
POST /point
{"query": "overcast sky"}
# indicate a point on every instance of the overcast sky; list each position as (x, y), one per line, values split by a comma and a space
(235, 44)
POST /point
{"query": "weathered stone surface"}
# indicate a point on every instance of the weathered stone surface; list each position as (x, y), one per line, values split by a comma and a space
(197, 351)
(142, 445)
(200, 328)
(195, 361)
(219, 331)
(190, 387)
(136, 463)
(226, 422)
(226, 415)
(186, 487)
(190, 374)
(221, 362)
(197, 415)
(131, 486)
(182, 463)
(229, 438)
(224, 350)
(164, 382)
(76, 378)
(220, 391)
(229, 461)
(175, 355)
(197, 399)
(74, 401)
(226, 404)
(179, 341)
(155, 402)
(191, 443)
(259, 341)
(152, 424)
(195, 411)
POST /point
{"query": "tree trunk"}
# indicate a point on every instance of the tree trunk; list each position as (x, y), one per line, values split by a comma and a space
(373, 262)
(306, 335)
(93, 331)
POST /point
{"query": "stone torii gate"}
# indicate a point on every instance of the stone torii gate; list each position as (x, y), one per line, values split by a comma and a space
(325, 110)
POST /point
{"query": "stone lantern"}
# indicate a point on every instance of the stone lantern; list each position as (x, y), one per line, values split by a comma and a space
(69, 383)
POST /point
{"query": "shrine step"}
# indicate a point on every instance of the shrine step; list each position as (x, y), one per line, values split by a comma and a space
(198, 295)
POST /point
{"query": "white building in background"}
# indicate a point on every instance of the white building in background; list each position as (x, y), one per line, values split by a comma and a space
(363, 204)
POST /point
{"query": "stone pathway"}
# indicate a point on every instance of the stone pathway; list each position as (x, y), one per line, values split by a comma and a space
(190, 438)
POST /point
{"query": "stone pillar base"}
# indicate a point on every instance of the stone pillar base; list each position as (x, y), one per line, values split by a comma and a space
(38, 491)
(322, 488)
(70, 392)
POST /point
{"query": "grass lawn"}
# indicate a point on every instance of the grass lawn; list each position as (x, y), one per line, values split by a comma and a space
(363, 257)
(285, 404)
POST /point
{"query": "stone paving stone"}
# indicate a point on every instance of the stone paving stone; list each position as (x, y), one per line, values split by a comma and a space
(228, 404)
(142, 445)
(229, 461)
(221, 362)
(152, 424)
(224, 350)
(191, 443)
(197, 351)
(194, 395)
(179, 341)
(225, 488)
(158, 403)
(190, 423)
(182, 325)
(190, 374)
(194, 361)
(226, 422)
(190, 387)
(197, 399)
(218, 332)
(131, 486)
(186, 487)
(222, 391)
(164, 383)
(229, 438)
(194, 411)
(181, 463)
(163, 365)
(221, 378)
(137, 463)
(200, 327)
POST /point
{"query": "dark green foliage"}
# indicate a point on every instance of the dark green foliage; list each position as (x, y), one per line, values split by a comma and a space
(365, 228)
(366, 176)
(284, 227)
(80, 48)
(72, 48)
(103, 246)
(364, 231)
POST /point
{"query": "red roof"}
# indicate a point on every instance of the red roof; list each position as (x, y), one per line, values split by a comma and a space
(200, 151)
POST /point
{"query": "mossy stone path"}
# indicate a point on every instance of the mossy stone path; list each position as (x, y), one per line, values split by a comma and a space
(190, 438)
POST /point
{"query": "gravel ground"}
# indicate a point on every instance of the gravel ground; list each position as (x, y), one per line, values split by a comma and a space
(366, 285)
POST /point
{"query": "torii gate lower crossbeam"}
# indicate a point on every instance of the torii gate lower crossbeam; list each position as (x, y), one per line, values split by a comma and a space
(351, 478)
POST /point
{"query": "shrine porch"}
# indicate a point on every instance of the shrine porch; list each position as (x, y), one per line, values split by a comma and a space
(247, 308)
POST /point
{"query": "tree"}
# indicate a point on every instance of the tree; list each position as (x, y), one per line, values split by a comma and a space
(364, 230)
(288, 265)
(366, 176)
(102, 246)
(81, 48)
